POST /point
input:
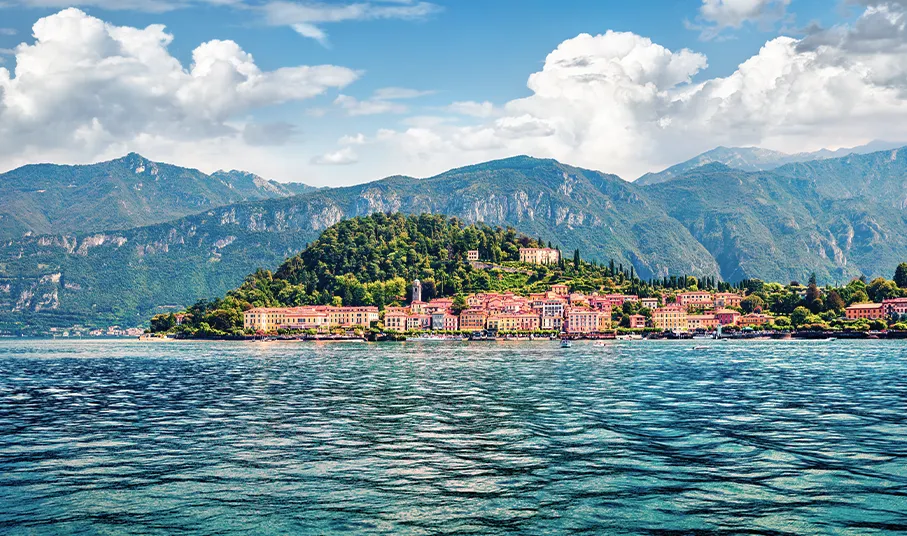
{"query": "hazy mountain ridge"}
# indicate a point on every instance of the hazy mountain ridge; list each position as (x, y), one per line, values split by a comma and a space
(127, 192)
(758, 159)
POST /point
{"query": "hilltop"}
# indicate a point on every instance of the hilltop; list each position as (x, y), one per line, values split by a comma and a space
(128, 192)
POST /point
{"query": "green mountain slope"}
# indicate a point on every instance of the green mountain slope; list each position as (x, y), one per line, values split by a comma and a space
(820, 217)
(128, 192)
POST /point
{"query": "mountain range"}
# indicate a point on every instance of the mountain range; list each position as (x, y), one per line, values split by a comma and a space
(839, 218)
(128, 192)
(758, 159)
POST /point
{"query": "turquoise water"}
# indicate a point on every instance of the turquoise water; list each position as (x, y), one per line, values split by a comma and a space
(435, 438)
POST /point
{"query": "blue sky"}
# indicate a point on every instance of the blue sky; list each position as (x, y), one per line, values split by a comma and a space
(663, 86)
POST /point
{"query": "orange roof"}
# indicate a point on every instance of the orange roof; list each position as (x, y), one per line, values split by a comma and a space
(865, 306)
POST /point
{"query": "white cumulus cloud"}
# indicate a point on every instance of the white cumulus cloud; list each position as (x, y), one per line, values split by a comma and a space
(85, 86)
(717, 15)
(342, 157)
(621, 103)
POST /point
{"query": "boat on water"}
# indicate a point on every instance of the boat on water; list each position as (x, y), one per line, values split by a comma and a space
(629, 337)
(599, 344)
(565, 343)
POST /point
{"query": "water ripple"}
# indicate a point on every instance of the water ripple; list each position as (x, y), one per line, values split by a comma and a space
(649, 438)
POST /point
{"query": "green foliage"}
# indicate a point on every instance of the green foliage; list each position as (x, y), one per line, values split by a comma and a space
(800, 316)
(752, 304)
(374, 250)
(882, 289)
(900, 275)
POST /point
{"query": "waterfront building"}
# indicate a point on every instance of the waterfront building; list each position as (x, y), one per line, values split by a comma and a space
(395, 320)
(306, 318)
(349, 317)
(896, 307)
(313, 317)
(539, 255)
(584, 321)
(637, 321)
(650, 303)
(552, 323)
(418, 322)
(514, 322)
(263, 318)
(473, 319)
(865, 311)
(706, 322)
(753, 320)
(727, 317)
(451, 322)
(670, 318)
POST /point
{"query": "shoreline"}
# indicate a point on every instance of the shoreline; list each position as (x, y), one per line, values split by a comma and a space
(802, 336)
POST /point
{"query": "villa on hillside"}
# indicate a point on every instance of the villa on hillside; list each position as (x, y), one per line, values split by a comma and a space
(539, 255)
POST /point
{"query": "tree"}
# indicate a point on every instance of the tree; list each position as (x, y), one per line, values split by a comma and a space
(799, 316)
(859, 296)
(429, 290)
(900, 275)
(813, 297)
(752, 304)
(576, 260)
(459, 304)
(812, 293)
(224, 320)
(812, 279)
(834, 302)
(161, 323)
(881, 289)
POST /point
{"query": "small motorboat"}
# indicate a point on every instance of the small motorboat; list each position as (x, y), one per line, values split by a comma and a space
(565, 343)
(599, 344)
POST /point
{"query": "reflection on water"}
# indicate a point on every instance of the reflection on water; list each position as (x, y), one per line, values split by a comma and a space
(427, 438)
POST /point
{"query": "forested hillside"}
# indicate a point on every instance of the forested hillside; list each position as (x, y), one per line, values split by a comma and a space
(127, 192)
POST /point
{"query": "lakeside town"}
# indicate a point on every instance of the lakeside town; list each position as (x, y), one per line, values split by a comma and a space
(559, 311)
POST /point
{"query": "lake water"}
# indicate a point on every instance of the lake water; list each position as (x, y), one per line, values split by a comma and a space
(100, 437)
